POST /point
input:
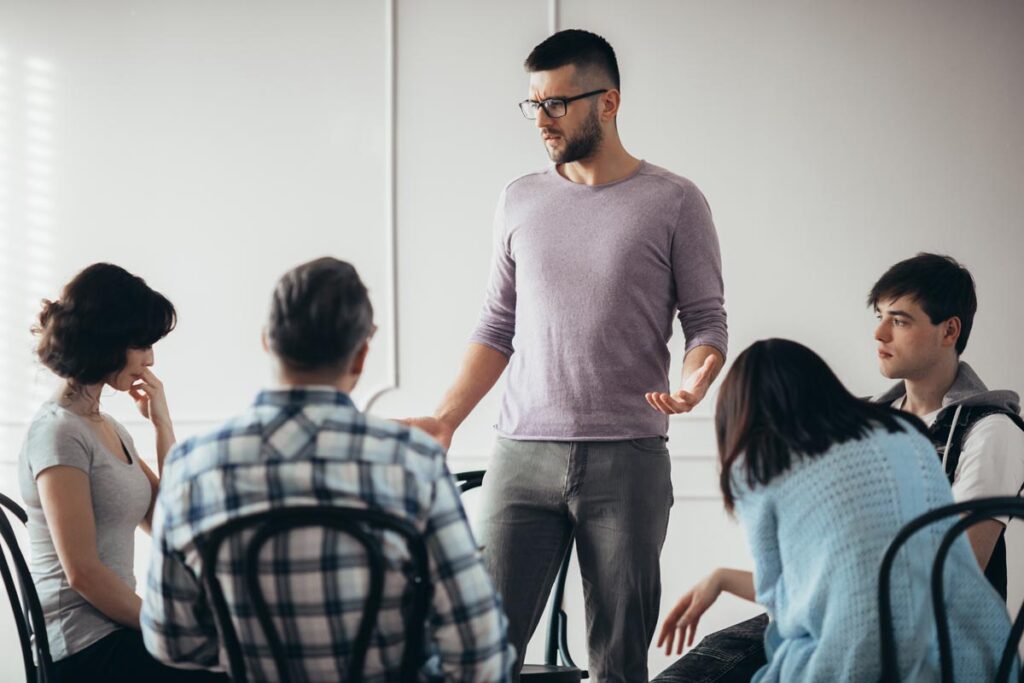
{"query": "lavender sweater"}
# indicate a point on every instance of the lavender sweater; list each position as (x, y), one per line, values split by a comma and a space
(585, 281)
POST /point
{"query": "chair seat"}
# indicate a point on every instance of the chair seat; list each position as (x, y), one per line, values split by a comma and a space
(548, 673)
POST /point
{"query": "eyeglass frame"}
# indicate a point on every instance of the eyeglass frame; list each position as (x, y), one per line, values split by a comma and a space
(542, 104)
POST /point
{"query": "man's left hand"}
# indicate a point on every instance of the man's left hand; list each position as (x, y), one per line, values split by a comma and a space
(686, 399)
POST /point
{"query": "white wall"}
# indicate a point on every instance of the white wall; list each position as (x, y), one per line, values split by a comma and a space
(211, 147)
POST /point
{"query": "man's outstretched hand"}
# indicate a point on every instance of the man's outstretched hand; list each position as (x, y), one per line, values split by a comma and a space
(441, 432)
(687, 398)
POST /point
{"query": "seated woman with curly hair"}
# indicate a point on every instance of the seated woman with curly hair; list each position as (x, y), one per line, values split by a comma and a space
(84, 485)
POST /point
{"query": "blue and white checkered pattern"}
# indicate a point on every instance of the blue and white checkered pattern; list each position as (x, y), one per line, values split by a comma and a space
(311, 446)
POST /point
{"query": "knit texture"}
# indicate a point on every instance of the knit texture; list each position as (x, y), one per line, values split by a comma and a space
(818, 533)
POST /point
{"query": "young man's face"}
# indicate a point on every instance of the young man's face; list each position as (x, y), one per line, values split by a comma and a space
(910, 346)
(576, 135)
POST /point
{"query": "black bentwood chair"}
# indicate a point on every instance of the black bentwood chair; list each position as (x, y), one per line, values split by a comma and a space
(558, 666)
(28, 612)
(359, 525)
(972, 512)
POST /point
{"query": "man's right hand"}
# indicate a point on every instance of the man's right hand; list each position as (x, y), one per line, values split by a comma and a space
(440, 431)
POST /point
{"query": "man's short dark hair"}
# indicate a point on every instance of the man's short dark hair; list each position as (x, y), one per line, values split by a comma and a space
(582, 49)
(320, 315)
(941, 286)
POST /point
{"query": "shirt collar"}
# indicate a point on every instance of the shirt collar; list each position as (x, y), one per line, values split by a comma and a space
(284, 396)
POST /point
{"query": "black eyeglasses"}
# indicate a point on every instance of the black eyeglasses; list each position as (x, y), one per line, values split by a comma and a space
(554, 107)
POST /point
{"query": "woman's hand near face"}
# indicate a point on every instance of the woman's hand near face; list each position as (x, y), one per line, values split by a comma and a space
(149, 397)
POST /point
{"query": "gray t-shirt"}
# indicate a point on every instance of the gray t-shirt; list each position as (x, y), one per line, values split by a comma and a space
(120, 498)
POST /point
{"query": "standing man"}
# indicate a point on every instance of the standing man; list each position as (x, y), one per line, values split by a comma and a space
(593, 257)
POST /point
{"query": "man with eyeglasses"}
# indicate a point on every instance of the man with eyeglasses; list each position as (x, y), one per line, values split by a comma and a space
(593, 258)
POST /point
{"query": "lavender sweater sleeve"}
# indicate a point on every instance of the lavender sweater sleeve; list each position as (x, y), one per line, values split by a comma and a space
(697, 270)
(497, 325)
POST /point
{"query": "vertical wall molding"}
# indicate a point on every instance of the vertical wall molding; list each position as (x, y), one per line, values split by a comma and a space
(390, 195)
(391, 185)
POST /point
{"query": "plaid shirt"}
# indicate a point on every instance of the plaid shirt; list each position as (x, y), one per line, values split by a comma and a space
(311, 446)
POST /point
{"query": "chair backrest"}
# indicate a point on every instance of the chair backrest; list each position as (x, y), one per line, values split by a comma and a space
(359, 525)
(972, 512)
(28, 611)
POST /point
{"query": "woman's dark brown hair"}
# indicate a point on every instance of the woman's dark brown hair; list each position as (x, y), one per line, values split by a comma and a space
(780, 402)
(84, 335)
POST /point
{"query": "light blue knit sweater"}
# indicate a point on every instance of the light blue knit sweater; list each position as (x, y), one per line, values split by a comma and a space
(818, 533)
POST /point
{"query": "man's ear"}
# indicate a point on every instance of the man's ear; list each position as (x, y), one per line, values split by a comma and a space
(609, 106)
(264, 340)
(359, 360)
(951, 331)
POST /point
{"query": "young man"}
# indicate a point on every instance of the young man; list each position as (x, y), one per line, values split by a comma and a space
(925, 307)
(304, 443)
(593, 258)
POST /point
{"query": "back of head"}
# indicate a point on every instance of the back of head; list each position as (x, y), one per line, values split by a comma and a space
(320, 315)
(943, 288)
(591, 54)
(779, 402)
(104, 311)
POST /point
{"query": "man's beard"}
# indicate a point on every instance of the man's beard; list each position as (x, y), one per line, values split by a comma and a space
(581, 145)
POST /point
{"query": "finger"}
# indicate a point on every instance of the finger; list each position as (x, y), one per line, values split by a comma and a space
(673, 405)
(669, 639)
(150, 377)
(691, 619)
(652, 400)
(142, 384)
(663, 633)
(662, 401)
(693, 632)
(683, 401)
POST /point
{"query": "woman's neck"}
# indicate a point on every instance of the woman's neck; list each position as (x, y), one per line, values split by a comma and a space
(80, 399)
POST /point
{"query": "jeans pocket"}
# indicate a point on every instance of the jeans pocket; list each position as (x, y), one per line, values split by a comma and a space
(650, 444)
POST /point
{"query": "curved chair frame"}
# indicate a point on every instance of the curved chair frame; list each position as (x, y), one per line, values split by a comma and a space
(973, 511)
(28, 611)
(354, 522)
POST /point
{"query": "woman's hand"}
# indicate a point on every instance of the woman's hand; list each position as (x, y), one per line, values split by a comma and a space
(149, 397)
(148, 394)
(685, 616)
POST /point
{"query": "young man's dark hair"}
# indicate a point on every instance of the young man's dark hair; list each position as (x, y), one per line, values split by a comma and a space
(582, 49)
(942, 287)
(319, 315)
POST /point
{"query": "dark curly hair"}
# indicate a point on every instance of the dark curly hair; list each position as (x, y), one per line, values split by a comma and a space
(84, 336)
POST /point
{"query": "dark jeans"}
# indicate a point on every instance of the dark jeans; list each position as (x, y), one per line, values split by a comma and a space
(614, 497)
(121, 656)
(731, 655)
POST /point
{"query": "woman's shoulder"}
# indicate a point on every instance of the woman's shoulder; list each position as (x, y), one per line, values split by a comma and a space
(52, 418)
(55, 435)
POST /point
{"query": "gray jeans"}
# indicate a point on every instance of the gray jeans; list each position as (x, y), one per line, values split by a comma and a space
(614, 497)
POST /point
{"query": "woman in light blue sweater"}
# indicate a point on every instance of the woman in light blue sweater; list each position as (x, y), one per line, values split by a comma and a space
(822, 482)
